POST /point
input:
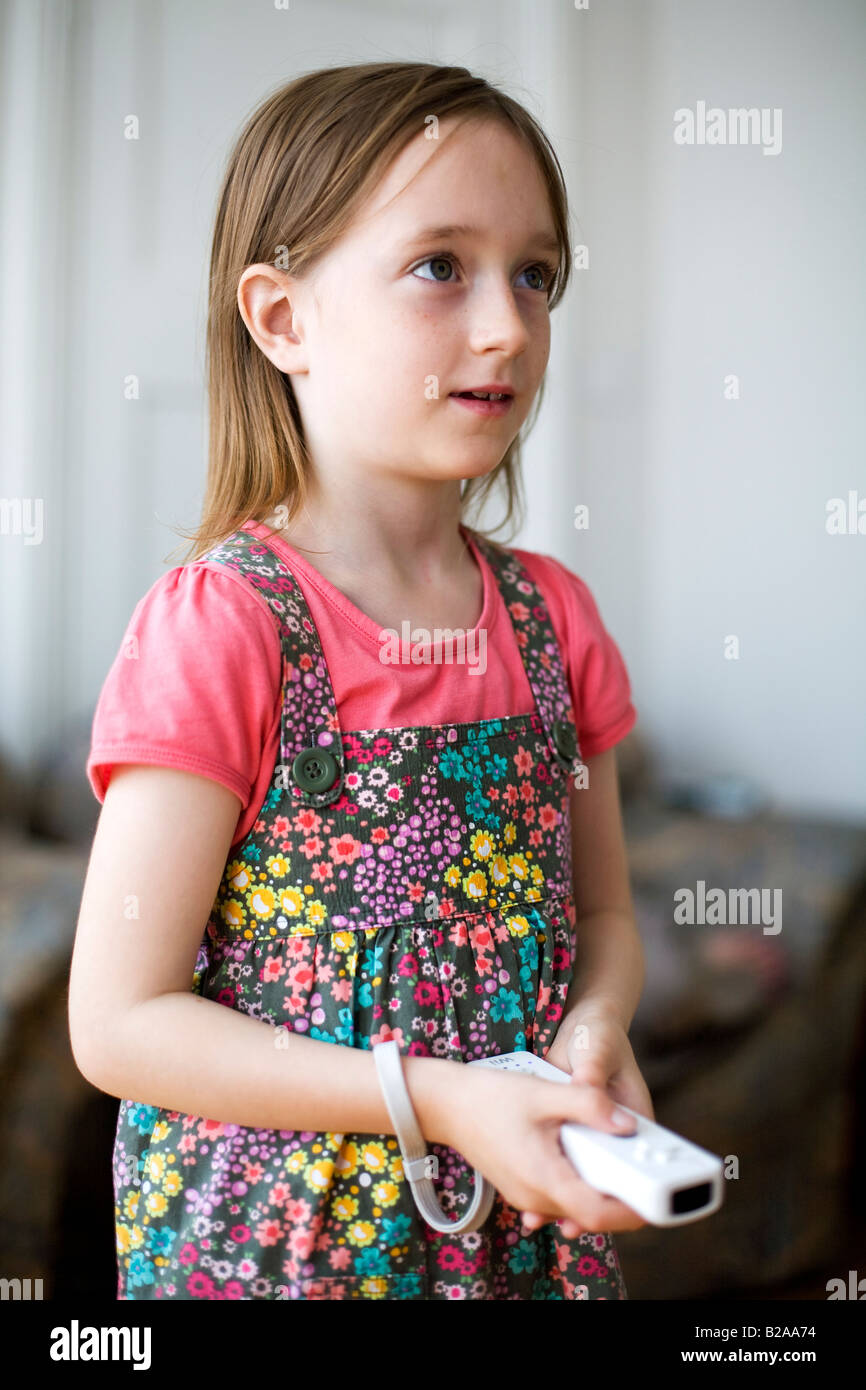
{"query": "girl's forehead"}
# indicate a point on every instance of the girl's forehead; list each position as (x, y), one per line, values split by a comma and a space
(445, 179)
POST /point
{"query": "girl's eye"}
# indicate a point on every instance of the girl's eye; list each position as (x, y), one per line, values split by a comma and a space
(440, 262)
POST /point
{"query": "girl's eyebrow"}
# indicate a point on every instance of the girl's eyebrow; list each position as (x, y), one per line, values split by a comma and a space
(541, 239)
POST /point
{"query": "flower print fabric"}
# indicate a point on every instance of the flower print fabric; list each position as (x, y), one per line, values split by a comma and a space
(221, 719)
(424, 896)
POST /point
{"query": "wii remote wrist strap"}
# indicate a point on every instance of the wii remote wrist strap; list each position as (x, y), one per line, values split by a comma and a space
(420, 1166)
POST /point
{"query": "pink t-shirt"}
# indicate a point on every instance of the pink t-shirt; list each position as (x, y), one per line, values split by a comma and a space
(196, 684)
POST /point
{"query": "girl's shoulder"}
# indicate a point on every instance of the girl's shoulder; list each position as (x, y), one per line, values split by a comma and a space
(195, 682)
(596, 671)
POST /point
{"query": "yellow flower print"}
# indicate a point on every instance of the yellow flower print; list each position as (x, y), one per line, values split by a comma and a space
(154, 1167)
(346, 1162)
(361, 1232)
(532, 895)
(134, 1237)
(173, 1184)
(156, 1204)
(374, 1287)
(452, 876)
(537, 875)
(519, 867)
(122, 1240)
(343, 940)
(233, 913)
(318, 1175)
(499, 870)
(263, 901)
(316, 913)
(130, 1205)
(240, 875)
(395, 1167)
(291, 901)
(160, 1130)
(277, 866)
(518, 926)
(481, 844)
(374, 1157)
(385, 1193)
(296, 1162)
(345, 1208)
(475, 885)
(509, 833)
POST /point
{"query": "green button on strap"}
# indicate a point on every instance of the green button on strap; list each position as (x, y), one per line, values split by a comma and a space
(314, 769)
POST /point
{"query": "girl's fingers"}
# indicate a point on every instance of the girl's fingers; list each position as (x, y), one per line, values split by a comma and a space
(533, 1219)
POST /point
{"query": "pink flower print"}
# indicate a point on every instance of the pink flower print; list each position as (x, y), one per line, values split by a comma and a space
(382, 747)
(321, 871)
(188, 1255)
(425, 992)
(536, 838)
(253, 1171)
(458, 934)
(298, 946)
(342, 990)
(240, 1234)
(200, 1286)
(480, 935)
(272, 969)
(345, 849)
(280, 828)
(298, 1210)
(269, 1231)
(523, 761)
(527, 792)
(307, 821)
(379, 835)
(416, 892)
(407, 965)
(510, 794)
(301, 1241)
(300, 975)
(211, 1129)
(312, 847)
(386, 1034)
(340, 1258)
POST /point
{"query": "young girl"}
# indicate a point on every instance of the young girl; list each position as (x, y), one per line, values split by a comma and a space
(386, 840)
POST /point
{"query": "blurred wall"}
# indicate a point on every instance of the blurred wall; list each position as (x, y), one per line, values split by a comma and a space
(703, 395)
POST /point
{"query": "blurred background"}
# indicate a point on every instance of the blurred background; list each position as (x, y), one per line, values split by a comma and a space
(704, 402)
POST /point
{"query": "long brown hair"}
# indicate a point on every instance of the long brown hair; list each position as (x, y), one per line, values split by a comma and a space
(305, 160)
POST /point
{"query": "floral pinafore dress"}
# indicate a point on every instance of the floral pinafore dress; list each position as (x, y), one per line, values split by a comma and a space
(406, 883)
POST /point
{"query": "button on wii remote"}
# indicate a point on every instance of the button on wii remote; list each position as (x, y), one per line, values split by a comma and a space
(656, 1172)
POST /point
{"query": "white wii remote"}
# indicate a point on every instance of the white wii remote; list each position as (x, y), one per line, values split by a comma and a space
(660, 1175)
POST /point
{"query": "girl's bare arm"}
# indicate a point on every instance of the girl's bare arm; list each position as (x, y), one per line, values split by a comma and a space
(136, 1028)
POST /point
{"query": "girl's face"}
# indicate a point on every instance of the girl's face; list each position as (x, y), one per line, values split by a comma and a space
(399, 316)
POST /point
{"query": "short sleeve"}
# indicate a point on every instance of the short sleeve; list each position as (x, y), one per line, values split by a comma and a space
(597, 675)
(195, 685)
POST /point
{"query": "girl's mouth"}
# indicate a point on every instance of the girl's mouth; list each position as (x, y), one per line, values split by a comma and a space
(480, 405)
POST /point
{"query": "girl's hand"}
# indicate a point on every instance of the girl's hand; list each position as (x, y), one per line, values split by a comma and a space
(593, 1046)
(507, 1125)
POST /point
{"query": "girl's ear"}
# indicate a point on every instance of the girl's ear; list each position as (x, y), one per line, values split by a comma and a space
(267, 305)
